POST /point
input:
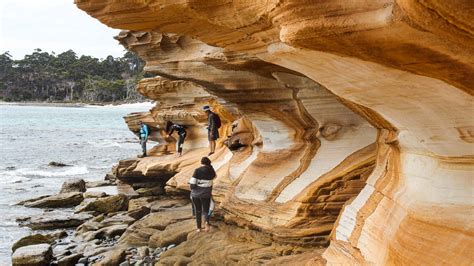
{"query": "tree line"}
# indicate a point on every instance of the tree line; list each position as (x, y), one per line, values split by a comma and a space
(65, 77)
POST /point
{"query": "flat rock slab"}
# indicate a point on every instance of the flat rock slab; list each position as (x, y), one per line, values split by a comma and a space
(53, 220)
(173, 234)
(106, 205)
(62, 200)
(139, 233)
(34, 255)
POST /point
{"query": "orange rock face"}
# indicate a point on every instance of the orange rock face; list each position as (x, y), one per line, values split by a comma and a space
(350, 123)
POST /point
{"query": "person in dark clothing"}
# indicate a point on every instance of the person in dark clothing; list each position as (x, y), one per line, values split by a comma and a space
(213, 124)
(144, 132)
(201, 191)
(170, 128)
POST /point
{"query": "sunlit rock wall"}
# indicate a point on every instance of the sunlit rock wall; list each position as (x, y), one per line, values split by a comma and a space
(361, 105)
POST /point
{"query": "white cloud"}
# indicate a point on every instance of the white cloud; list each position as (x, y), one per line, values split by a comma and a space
(53, 25)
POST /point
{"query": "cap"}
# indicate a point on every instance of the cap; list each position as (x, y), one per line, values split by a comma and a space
(206, 108)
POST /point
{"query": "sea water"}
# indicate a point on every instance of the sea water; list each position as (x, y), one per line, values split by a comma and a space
(89, 139)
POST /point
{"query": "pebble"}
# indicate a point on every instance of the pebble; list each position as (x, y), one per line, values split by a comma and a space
(171, 246)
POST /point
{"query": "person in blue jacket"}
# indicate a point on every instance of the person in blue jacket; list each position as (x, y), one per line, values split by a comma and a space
(143, 137)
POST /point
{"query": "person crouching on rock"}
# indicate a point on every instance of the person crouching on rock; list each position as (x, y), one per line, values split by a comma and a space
(213, 125)
(170, 128)
(201, 191)
(143, 137)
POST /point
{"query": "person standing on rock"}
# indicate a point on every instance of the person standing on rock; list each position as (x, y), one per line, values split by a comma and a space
(143, 137)
(170, 128)
(213, 125)
(201, 191)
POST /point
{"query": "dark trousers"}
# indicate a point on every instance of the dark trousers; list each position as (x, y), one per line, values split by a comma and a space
(143, 143)
(180, 142)
(201, 205)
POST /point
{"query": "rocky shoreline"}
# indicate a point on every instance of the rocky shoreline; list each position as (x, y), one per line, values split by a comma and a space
(141, 224)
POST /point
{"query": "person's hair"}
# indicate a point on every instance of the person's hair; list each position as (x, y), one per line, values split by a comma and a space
(205, 161)
(168, 126)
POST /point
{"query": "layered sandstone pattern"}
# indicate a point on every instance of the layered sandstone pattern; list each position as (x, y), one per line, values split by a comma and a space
(360, 106)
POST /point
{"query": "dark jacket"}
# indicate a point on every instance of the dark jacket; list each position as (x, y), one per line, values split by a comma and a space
(201, 182)
(181, 130)
(211, 122)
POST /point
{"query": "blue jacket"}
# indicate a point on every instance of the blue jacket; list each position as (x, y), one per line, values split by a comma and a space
(144, 131)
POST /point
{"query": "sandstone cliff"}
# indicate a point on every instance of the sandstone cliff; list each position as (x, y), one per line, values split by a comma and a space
(346, 123)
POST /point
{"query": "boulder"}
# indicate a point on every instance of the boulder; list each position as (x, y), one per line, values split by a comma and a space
(73, 185)
(106, 205)
(113, 257)
(35, 239)
(34, 255)
(62, 200)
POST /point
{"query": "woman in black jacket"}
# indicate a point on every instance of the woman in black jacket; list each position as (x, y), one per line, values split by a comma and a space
(201, 191)
(170, 128)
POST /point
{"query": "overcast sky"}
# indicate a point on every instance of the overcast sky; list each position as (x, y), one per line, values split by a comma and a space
(53, 25)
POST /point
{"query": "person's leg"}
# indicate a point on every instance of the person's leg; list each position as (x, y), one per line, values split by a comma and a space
(198, 208)
(143, 147)
(180, 144)
(206, 202)
(212, 146)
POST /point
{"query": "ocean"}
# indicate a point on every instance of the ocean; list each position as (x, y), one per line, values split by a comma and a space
(89, 139)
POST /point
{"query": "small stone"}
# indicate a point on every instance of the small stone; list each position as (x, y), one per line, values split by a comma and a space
(143, 251)
(171, 246)
(83, 260)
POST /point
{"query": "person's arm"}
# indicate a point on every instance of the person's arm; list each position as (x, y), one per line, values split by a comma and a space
(171, 131)
(193, 181)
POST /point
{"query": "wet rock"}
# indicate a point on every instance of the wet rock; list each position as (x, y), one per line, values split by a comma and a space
(57, 164)
(34, 255)
(106, 205)
(70, 260)
(32, 200)
(55, 221)
(73, 185)
(62, 200)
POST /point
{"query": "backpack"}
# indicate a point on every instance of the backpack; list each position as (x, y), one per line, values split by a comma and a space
(217, 120)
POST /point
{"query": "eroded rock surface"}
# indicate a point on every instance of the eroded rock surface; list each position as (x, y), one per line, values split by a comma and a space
(348, 122)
